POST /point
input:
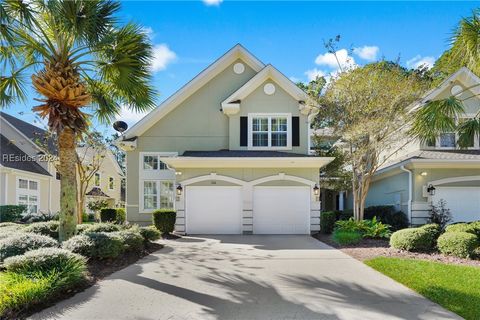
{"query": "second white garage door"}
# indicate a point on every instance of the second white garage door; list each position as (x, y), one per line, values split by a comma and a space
(281, 210)
(463, 202)
(213, 210)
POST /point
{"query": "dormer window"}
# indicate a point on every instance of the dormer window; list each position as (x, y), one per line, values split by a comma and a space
(269, 131)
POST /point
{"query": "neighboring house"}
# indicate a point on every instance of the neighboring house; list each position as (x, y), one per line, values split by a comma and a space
(422, 174)
(229, 151)
(27, 171)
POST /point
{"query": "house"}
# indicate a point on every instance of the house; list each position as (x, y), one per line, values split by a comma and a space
(28, 174)
(421, 174)
(229, 151)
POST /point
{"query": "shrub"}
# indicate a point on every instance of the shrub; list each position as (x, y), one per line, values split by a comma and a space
(413, 239)
(473, 228)
(19, 243)
(39, 217)
(99, 245)
(49, 228)
(346, 237)
(108, 214)
(11, 213)
(149, 233)
(433, 229)
(440, 214)
(350, 225)
(327, 221)
(9, 224)
(344, 215)
(98, 227)
(388, 215)
(44, 260)
(8, 228)
(164, 220)
(131, 238)
(459, 244)
(121, 216)
(376, 229)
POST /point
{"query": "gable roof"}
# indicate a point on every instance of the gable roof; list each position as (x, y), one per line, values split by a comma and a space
(237, 52)
(27, 163)
(269, 72)
(464, 75)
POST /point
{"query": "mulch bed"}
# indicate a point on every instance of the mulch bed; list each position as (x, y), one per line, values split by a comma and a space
(97, 270)
(370, 248)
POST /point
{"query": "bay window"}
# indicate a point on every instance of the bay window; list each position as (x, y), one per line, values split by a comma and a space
(269, 131)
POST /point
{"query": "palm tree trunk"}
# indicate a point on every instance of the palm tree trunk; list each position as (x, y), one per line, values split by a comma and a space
(68, 184)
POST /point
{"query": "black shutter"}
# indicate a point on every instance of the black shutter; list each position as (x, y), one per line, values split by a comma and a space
(243, 131)
(295, 131)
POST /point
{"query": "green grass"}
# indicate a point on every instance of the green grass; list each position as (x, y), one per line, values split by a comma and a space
(455, 287)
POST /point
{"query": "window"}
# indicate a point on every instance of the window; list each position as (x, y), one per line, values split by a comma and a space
(269, 131)
(96, 180)
(27, 194)
(447, 140)
(111, 183)
(158, 194)
(151, 162)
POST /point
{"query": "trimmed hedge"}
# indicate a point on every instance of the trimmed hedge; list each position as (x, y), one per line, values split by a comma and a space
(121, 216)
(149, 233)
(99, 245)
(164, 220)
(49, 228)
(108, 214)
(131, 238)
(19, 243)
(98, 227)
(327, 221)
(422, 239)
(11, 213)
(45, 260)
(459, 244)
(472, 227)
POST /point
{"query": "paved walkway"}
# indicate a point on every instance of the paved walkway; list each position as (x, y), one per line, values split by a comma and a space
(247, 277)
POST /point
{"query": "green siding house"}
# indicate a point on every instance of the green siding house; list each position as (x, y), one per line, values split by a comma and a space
(229, 151)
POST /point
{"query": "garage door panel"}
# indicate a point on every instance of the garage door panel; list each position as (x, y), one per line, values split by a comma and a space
(213, 210)
(463, 202)
(281, 210)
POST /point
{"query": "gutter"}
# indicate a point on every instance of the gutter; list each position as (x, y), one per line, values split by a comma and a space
(410, 190)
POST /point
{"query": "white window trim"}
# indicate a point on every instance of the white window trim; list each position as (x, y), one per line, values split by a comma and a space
(99, 179)
(109, 183)
(156, 154)
(270, 115)
(158, 183)
(476, 142)
(27, 191)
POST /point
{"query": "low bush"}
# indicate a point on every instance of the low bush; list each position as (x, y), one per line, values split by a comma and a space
(421, 239)
(149, 233)
(99, 245)
(346, 237)
(39, 217)
(49, 228)
(350, 225)
(19, 243)
(108, 214)
(367, 228)
(473, 228)
(98, 227)
(459, 244)
(8, 228)
(11, 213)
(121, 216)
(327, 221)
(433, 229)
(164, 220)
(387, 215)
(45, 260)
(131, 238)
(9, 224)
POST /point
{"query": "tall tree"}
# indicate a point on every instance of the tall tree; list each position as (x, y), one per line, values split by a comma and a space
(366, 108)
(438, 116)
(78, 56)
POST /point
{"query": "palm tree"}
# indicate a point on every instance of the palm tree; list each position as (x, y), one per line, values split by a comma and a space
(79, 57)
(436, 117)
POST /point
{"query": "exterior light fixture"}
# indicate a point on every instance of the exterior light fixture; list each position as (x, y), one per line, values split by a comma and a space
(431, 190)
(424, 173)
(316, 190)
(179, 190)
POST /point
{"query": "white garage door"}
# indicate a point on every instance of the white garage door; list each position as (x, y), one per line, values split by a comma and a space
(213, 210)
(463, 202)
(281, 210)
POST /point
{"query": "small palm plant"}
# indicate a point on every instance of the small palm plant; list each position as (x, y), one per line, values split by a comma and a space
(78, 57)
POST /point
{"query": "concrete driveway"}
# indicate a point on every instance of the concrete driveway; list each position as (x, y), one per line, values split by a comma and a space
(247, 277)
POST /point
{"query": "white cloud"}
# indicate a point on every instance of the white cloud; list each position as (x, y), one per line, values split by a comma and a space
(312, 74)
(418, 61)
(129, 116)
(328, 59)
(368, 53)
(149, 32)
(162, 56)
(212, 2)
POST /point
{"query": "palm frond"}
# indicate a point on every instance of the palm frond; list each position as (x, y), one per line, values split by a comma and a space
(467, 131)
(12, 88)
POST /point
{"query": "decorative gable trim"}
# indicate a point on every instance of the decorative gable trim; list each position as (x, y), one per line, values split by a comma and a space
(231, 105)
(237, 52)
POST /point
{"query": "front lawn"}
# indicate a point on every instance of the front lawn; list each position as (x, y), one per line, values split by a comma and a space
(456, 288)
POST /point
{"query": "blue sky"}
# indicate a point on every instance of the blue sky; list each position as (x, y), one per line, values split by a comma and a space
(188, 36)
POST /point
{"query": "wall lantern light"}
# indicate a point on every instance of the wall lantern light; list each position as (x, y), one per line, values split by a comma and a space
(431, 190)
(424, 173)
(316, 190)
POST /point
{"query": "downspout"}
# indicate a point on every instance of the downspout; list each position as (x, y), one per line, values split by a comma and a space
(410, 190)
